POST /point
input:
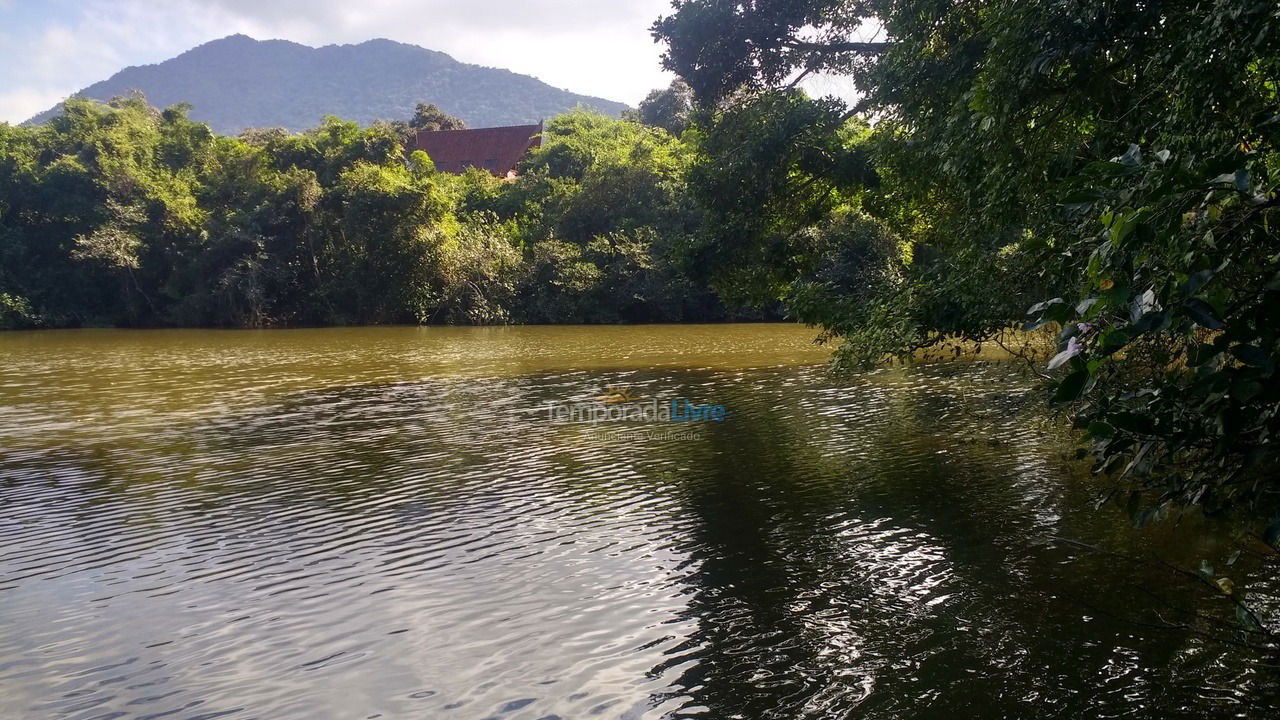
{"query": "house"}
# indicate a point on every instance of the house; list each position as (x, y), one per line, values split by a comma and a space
(498, 149)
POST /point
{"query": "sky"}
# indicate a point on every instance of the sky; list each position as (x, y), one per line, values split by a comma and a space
(51, 48)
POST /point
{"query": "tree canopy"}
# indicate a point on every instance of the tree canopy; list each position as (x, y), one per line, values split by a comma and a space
(123, 215)
(1109, 167)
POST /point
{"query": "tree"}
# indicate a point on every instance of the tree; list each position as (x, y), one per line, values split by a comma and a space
(669, 109)
(1115, 162)
(721, 48)
(121, 214)
(767, 169)
(429, 117)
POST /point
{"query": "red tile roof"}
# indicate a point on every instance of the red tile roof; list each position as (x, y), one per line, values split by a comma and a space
(497, 149)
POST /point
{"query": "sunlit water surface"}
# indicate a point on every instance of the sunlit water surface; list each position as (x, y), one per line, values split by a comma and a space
(364, 523)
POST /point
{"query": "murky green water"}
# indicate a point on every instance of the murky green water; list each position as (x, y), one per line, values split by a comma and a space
(384, 522)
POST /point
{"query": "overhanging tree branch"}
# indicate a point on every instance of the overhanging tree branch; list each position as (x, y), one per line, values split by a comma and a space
(865, 48)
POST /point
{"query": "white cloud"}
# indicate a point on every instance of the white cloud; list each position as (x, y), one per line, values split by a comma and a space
(22, 103)
(596, 47)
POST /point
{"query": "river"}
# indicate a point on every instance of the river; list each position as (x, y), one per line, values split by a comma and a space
(413, 523)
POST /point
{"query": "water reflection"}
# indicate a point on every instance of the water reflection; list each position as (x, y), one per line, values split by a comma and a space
(382, 523)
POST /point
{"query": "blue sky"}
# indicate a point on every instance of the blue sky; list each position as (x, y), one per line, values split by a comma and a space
(51, 48)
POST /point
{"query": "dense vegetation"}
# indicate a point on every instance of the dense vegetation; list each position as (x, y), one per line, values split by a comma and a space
(121, 215)
(1106, 169)
(238, 83)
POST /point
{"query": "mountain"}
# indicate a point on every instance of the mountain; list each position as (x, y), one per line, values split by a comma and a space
(238, 82)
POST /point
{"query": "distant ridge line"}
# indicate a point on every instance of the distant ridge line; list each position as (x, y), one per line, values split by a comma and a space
(236, 83)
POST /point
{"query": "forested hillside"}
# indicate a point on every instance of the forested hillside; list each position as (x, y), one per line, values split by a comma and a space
(238, 82)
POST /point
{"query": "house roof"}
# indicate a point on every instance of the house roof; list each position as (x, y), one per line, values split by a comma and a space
(496, 149)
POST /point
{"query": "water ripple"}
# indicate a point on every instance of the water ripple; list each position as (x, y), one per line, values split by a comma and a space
(241, 526)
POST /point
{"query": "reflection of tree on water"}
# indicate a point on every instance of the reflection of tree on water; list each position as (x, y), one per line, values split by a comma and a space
(758, 555)
(896, 563)
(883, 535)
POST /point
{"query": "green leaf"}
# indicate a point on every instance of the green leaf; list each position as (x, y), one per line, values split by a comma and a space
(1101, 429)
(1132, 422)
(1083, 198)
(1246, 619)
(1146, 516)
(1040, 306)
(1063, 357)
(1242, 181)
(1030, 325)
(1202, 313)
(1142, 304)
(1059, 313)
(1131, 158)
(1114, 340)
(1110, 169)
(1251, 355)
(1202, 355)
(1195, 281)
(1152, 321)
(1134, 506)
(1246, 390)
(1239, 180)
(1072, 387)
